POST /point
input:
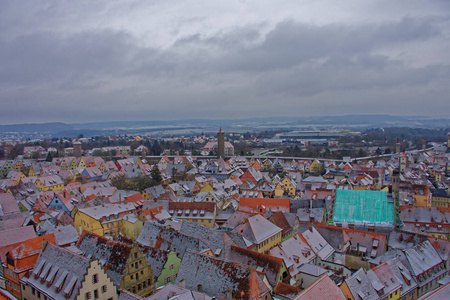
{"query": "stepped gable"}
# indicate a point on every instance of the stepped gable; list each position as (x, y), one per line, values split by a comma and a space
(110, 253)
(156, 258)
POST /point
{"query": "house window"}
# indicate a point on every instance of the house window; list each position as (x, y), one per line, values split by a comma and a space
(135, 254)
(172, 266)
(95, 278)
(95, 294)
(104, 289)
(87, 296)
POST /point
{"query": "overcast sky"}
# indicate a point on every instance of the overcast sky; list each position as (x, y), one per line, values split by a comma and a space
(77, 61)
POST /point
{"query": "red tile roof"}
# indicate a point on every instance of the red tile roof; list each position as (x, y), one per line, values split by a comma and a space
(134, 198)
(274, 204)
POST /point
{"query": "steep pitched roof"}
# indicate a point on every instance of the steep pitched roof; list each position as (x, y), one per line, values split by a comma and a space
(156, 236)
(317, 243)
(64, 270)
(15, 235)
(361, 286)
(212, 238)
(280, 220)
(384, 280)
(24, 249)
(422, 257)
(66, 235)
(174, 292)
(110, 253)
(8, 204)
(286, 290)
(322, 288)
(217, 277)
(252, 204)
(403, 275)
(156, 258)
(257, 229)
(268, 264)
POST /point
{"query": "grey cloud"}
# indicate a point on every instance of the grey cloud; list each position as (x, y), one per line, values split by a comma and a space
(239, 71)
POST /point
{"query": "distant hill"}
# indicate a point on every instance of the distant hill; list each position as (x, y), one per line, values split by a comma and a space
(356, 122)
(36, 127)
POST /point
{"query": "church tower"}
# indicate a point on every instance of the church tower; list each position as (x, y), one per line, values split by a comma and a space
(396, 197)
(77, 149)
(398, 146)
(448, 140)
(221, 143)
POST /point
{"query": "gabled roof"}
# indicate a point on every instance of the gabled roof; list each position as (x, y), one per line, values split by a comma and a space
(8, 204)
(156, 258)
(66, 235)
(286, 290)
(252, 204)
(403, 275)
(384, 280)
(64, 270)
(163, 238)
(267, 264)
(422, 257)
(361, 286)
(257, 229)
(16, 235)
(322, 288)
(174, 292)
(317, 243)
(280, 219)
(105, 210)
(110, 253)
(294, 252)
(237, 218)
(217, 277)
(212, 238)
(30, 247)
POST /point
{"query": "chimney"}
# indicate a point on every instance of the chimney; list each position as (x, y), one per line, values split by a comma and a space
(44, 244)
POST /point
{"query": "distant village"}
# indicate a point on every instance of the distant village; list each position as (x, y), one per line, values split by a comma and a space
(219, 225)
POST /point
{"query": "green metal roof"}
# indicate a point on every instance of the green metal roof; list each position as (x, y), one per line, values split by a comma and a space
(363, 206)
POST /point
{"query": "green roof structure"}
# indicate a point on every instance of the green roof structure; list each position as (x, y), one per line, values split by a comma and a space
(361, 206)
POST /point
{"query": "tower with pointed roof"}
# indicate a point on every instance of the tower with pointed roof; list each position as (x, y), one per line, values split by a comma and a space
(221, 143)
(398, 146)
